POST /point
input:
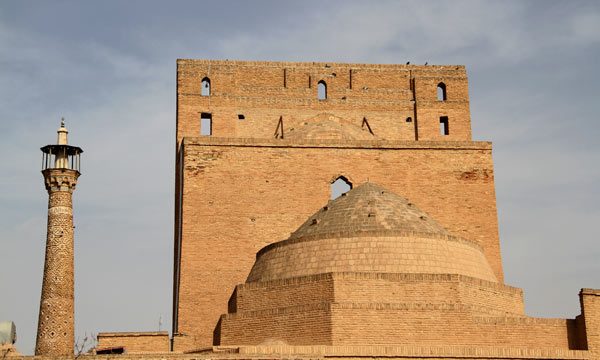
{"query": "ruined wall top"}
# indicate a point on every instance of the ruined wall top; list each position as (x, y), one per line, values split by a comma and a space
(255, 99)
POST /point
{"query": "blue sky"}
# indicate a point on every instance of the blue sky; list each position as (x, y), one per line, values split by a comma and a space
(108, 67)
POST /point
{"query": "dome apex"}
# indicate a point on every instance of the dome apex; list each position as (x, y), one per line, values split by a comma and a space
(368, 208)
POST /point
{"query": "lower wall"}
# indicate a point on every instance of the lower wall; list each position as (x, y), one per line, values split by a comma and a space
(294, 326)
(135, 342)
(440, 324)
(283, 293)
(418, 324)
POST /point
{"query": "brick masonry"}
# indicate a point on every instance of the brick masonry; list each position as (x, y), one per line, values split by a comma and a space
(261, 163)
(56, 325)
(240, 195)
(135, 342)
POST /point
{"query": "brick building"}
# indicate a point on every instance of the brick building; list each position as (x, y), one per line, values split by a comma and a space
(407, 264)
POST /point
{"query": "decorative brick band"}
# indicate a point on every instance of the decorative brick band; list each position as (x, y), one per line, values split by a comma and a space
(413, 277)
(368, 233)
(459, 352)
(413, 306)
(336, 143)
(279, 64)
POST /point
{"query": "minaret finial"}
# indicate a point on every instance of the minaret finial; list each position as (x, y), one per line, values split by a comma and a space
(62, 133)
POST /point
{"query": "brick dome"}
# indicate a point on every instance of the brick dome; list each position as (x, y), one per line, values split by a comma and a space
(370, 229)
(368, 208)
(368, 268)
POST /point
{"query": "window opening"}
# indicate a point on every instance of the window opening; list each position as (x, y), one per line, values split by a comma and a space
(340, 186)
(441, 92)
(322, 90)
(112, 350)
(206, 124)
(444, 129)
(205, 87)
(409, 119)
(241, 117)
(350, 79)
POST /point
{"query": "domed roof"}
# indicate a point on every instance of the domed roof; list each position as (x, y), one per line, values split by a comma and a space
(368, 208)
(370, 230)
(328, 127)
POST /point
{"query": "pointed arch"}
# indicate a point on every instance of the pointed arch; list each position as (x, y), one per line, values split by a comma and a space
(205, 87)
(322, 90)
(441, 92)
(339, 186)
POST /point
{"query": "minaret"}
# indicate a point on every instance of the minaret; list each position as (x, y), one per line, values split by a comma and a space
(60, 167)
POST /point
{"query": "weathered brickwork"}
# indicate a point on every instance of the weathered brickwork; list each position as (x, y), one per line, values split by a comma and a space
(267, 100)
(55, 334)
(406, 254)
(354, 352)
(590, 316)
(264, 92)
(383, 285)
(384, 288)
(264, 264)
(134, 342)
(239, 196)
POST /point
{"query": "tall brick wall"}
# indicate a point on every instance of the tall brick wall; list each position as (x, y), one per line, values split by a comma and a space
(240, 195)
(590, 314)
(244, 187)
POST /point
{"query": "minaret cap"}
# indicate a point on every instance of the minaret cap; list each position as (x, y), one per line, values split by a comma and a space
(62, 133)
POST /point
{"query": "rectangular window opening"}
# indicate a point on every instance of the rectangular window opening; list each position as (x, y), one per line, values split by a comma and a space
(444, 128)
(206, 124)
(241, 117)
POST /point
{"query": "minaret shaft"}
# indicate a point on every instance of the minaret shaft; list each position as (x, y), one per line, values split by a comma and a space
(55, 334)
(56, 322)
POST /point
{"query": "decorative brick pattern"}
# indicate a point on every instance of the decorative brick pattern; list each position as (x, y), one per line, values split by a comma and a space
(55, 334)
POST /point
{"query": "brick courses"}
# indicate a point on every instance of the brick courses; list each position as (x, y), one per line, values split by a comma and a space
(135, 342)
(410, 270)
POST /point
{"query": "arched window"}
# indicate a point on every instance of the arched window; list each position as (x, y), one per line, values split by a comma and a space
(340, 186)
(441, 92)
(205, 87)
(322, 90)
